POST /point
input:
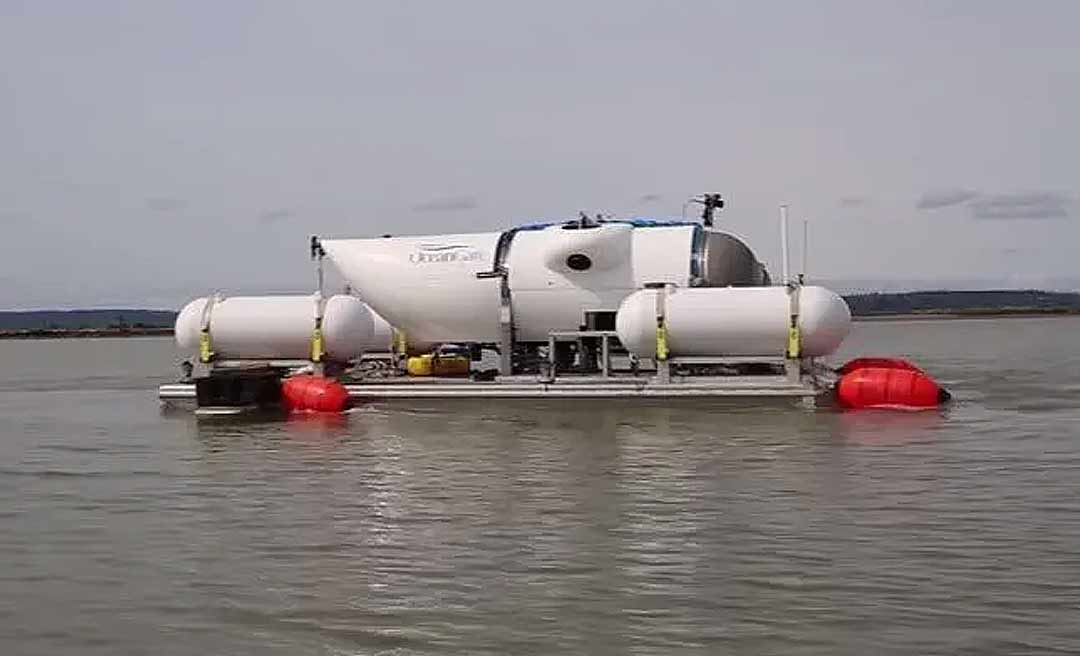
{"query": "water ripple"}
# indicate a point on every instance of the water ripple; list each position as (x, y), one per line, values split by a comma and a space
(552, 528)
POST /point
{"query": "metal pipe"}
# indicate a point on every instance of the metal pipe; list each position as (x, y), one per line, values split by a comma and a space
(785, 267)
(805, 248)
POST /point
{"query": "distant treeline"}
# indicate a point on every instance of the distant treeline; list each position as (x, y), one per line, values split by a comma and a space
(129, 321)
(53, 320)
(972, 302)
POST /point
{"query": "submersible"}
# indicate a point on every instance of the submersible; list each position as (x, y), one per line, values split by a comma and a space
(593, 307)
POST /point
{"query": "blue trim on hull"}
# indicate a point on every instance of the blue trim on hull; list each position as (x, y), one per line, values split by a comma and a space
(637, 222)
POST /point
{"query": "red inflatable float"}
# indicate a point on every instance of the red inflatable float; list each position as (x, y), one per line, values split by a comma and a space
(888, 383)
(307, 393)
(880, 362)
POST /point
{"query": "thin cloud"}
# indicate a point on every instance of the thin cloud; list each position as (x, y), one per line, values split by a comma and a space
(165, 204)
(451, 204)
(276, 216)
(854, 201)
(1026, 205)
(13, 217)
(650, 198)
(938, 198)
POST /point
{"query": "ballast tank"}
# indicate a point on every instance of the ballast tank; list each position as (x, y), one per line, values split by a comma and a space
(733, 321)
(278, 327)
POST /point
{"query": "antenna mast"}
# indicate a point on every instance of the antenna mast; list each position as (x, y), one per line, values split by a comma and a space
(710, 204)
(785, 267)
(805, 249)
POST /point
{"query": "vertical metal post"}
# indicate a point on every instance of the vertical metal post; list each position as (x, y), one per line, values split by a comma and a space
(805, 249)
(319, 273)
(399, 347)
(605, 355)
(317, 255)
(785, 266)
(663, 367)
(793, 348)
(793, 351)
(506, 329)
(318, 348)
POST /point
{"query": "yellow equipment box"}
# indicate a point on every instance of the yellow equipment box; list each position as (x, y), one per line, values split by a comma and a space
(433, 365)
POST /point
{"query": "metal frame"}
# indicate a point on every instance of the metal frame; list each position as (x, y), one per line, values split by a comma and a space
(569, 387)
(576, 335)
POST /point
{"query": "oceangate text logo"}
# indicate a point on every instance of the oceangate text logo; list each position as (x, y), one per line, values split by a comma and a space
(440, 253)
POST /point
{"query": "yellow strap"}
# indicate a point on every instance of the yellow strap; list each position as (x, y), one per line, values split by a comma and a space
(794, 342)
(317, 351)
(661, 341)
(206, 353)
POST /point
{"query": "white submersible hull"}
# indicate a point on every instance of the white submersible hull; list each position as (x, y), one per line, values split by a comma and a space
(458, 288)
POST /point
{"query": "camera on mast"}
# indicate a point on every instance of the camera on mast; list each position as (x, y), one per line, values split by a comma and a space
(710, 204)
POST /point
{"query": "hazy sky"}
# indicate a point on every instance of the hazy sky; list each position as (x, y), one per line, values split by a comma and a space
(152, 151)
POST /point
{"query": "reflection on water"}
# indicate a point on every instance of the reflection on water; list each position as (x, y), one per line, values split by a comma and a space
(529, 527)
(889, 427)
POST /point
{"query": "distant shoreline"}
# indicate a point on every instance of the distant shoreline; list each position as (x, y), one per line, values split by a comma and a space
(952, 315)
(84, 333)
(935, 315)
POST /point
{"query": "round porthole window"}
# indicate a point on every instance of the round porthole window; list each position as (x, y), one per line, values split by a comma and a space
(579, 262)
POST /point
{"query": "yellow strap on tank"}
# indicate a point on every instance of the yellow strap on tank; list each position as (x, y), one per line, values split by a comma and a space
(206, 352)
(794, 341)
(317, 350)
(661, 341)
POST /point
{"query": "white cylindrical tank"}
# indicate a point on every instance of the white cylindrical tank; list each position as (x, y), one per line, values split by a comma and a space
(382, 334)
(733, 321)
(278, 327)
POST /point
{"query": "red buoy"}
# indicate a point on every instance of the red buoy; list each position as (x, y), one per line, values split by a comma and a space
(313, 394)
(879, 362)
(893, 388)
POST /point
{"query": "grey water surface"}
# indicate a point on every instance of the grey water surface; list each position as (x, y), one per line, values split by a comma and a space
(547, 528)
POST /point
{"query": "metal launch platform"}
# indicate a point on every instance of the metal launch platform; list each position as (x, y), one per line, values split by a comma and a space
(523, 387)
(804, 379)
